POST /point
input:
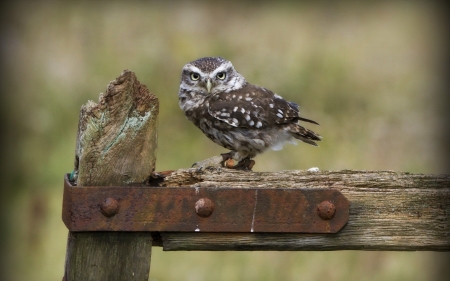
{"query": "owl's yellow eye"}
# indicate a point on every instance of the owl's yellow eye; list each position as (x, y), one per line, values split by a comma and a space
(195, 76)
(221, 75)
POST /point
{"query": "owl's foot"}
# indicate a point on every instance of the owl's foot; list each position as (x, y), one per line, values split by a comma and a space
(245, 164)
(227, 160)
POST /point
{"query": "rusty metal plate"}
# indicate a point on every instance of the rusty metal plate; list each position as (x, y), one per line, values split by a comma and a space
(211, 209)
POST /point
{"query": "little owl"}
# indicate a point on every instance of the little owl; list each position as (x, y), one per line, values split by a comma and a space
(242, 117)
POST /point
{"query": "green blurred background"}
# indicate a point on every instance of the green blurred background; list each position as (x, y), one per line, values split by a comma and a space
(371, 73)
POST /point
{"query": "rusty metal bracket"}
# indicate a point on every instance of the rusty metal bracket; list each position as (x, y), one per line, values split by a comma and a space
(206, 209)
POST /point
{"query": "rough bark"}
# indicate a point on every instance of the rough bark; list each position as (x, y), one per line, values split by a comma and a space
(116, 145)
(388, 211)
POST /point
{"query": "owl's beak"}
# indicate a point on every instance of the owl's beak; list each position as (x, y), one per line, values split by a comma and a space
(208, 85)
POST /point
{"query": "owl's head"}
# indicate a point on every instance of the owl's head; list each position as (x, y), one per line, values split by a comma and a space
(211, 75)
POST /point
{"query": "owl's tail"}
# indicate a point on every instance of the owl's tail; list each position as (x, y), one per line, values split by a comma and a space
(304, 134)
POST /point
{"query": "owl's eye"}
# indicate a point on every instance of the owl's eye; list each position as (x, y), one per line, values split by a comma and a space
(221, 75)
(195, 76)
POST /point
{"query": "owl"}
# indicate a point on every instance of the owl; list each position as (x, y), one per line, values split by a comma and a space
(242, 117)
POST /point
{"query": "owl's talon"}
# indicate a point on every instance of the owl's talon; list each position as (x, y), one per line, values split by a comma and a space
(245, 164)
(251, 164)
(229, 163)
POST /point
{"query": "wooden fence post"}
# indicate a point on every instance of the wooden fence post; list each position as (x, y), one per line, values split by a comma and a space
(116, 145)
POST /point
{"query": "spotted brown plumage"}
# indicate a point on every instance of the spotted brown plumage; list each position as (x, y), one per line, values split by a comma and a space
(244, 118)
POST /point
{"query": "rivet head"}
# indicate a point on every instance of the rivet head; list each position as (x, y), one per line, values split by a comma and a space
(204, 207)
(109, 207)
(326, 210)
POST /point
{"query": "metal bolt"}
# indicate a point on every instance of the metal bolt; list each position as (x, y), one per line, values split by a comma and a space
(204, 207)
(110, 207)
(326, 210)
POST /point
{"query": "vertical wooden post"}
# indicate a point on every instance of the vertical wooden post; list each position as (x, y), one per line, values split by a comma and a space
(116, 145)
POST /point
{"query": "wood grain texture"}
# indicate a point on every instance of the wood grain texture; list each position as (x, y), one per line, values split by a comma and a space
(388, 211)
(109, 255)
(116, 145)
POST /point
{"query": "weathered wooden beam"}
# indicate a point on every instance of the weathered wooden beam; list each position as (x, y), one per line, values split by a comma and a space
(116, 145)
(388, 211)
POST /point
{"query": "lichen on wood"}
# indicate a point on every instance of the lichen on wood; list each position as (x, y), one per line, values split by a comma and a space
(116, 145)
(116, 141)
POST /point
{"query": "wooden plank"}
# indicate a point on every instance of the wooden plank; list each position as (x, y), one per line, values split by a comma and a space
(116, 145)
(388, 211)
(108, 255)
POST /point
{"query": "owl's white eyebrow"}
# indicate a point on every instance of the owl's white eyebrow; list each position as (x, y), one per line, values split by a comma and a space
(193, 68)
(222, 68)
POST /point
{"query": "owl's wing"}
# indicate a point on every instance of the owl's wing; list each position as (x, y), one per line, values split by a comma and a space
(253, 107)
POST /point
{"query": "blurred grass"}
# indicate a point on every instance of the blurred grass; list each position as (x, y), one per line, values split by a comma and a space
(369, 73)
